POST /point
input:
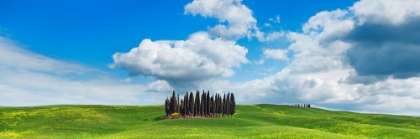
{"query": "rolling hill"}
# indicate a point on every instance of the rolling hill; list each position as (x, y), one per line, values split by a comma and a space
(250, 121)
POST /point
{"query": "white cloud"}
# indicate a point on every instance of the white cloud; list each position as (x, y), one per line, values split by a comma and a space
(29, 78)
(386, 11)
(204, 55)
(235, 19)
(333, 25)
(275, 20)
(15, 57)
(318, 71)
(196, 59)
(274, 36)
(386, 36)
(259, 62)
(267, 36)
(158, 86)
(240, 21)
(278, 54)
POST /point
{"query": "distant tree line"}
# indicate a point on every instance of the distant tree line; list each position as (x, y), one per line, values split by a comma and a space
(200, 106)
(303, 105)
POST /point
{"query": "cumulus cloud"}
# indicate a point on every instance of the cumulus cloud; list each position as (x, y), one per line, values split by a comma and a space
(346, 59)
(386, 11)
(240, 21)
(28, 78)
(196, 59)
(399, 60)
(272, 36)
(385, 44)
(276, 54)
(235, 19)
(333, 25)
(204, 55)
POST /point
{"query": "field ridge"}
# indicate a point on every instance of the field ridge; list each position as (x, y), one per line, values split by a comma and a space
(250, 121)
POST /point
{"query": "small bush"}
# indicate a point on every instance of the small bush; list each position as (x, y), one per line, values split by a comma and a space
(175, 115)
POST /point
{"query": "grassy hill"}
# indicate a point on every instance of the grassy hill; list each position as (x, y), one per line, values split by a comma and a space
(250, 121)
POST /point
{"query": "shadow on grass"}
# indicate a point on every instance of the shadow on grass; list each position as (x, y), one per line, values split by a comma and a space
(158, 118)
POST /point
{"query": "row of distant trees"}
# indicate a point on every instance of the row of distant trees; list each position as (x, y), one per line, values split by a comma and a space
(302, 105)
(200, 106)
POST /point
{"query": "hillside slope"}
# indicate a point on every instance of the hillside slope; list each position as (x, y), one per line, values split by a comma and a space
(250, 121)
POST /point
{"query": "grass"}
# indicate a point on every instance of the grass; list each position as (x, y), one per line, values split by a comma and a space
(250, 121)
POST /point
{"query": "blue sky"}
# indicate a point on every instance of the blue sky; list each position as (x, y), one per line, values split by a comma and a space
(89, 32)
(273, 51)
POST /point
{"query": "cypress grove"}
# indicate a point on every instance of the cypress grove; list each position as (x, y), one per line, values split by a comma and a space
(201, 106)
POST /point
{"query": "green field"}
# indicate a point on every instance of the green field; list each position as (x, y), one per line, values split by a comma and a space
(250, 121)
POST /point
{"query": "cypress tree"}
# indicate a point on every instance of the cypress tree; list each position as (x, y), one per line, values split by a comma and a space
(186, 106)
(191, 104)
(203, 101)
(219, 105)
(211, 107)
(208, 103)
(233, 103)
(201, 104)
(215, 104)
(214, 107)
(178, 104)
(167, 107)
(224, 105)
(172, 103)
(228, 104)
(197, 103)
(181, 110)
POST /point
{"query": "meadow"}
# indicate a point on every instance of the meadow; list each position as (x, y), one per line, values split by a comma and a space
(250, 121)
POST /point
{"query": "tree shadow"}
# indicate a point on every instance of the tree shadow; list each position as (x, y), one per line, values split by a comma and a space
(158, 118)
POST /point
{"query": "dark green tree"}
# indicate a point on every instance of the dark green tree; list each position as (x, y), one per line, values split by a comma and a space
(167, 107)
(208, 103)
(172, 103)
(197, 103)
(191, 104)
(233, 104)
(224, 105)
(219, 105)
(203, 101)
(181, 108)
(228, 104)
(212, 112)
(186, 106)
(177, 104)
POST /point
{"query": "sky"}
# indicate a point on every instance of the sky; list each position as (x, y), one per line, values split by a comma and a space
(361, 56)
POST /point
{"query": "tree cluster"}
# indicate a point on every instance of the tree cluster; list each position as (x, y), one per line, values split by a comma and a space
(201, 106)
(303, 105)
